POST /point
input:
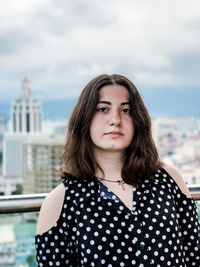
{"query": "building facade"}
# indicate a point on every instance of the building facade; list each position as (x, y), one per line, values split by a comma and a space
(26, 121)
(26, 112)
(42, 165)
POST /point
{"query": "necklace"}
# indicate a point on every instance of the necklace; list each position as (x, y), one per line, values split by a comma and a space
(120, 182)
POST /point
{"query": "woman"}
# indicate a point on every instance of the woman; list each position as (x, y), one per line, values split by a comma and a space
(118, 204)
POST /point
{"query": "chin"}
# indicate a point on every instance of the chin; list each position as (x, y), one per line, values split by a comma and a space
(111, 147)
(115, 149)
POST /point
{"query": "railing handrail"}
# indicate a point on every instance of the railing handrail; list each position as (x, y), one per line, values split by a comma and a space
(194, 188)
(21, 203)
(33, 202)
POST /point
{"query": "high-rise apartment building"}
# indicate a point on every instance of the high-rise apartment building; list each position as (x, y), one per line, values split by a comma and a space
(42, 161)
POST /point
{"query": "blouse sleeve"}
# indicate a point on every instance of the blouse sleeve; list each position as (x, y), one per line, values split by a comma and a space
(54, 248)
(190, 228)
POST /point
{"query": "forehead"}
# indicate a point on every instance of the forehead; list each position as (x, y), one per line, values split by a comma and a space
(114, 92)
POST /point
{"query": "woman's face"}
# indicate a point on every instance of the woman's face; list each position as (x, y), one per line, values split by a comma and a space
(112, 127)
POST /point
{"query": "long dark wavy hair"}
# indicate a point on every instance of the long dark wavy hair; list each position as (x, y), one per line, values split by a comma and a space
(141, 157)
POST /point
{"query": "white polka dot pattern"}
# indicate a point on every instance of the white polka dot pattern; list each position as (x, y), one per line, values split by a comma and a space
(96, 229)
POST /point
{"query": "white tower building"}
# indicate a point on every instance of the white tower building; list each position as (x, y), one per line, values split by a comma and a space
(26, 121)
(26, 112)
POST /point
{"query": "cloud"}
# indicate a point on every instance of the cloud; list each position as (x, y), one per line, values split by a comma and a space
(62, 44)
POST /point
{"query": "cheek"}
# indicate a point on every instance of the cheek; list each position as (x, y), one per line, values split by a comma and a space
(96, 123)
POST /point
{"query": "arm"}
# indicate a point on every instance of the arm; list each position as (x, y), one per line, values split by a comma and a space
(51, 209)
(177, 178)
(188, 219)
(54, 246)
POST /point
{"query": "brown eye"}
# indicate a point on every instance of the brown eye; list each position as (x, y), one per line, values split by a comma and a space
(102, 109)
(126, 110)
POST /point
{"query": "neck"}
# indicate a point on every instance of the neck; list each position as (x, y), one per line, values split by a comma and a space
(111, 163)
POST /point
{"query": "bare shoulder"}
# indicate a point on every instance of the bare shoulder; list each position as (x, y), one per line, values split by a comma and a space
(177, 178)
(51, 209)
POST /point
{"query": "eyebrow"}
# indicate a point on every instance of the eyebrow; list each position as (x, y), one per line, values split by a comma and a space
(109, 103)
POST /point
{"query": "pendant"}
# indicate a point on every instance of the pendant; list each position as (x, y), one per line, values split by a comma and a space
(122, 184)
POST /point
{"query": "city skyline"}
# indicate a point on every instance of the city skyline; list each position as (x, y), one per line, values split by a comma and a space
(172, 104)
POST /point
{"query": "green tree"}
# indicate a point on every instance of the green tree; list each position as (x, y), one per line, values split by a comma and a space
(1, 158)
(31, 260)
(18, 190)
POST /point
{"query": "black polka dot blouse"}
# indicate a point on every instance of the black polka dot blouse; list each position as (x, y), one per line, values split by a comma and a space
(96, 229)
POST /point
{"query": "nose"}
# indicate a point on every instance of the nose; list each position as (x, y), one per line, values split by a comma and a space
(115, 118)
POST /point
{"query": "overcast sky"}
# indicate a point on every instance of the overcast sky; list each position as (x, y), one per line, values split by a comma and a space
(62, 44)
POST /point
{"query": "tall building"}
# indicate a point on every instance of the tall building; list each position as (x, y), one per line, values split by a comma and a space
(42, 162)
(29, 155)
(26, 121)
(26, 112)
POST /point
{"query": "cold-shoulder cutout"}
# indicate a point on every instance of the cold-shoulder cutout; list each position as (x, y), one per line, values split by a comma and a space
(177, 178)
(50, 209)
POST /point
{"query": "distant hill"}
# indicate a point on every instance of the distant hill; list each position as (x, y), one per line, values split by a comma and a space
(5, 110)
(161, 103)
(173, 103)
(58, 108)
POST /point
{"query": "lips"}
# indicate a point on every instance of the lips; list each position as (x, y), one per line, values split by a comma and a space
(114, 133)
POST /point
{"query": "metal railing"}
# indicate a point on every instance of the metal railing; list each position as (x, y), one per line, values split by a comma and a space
(194, 191)
(21, 203)
(33, 202)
